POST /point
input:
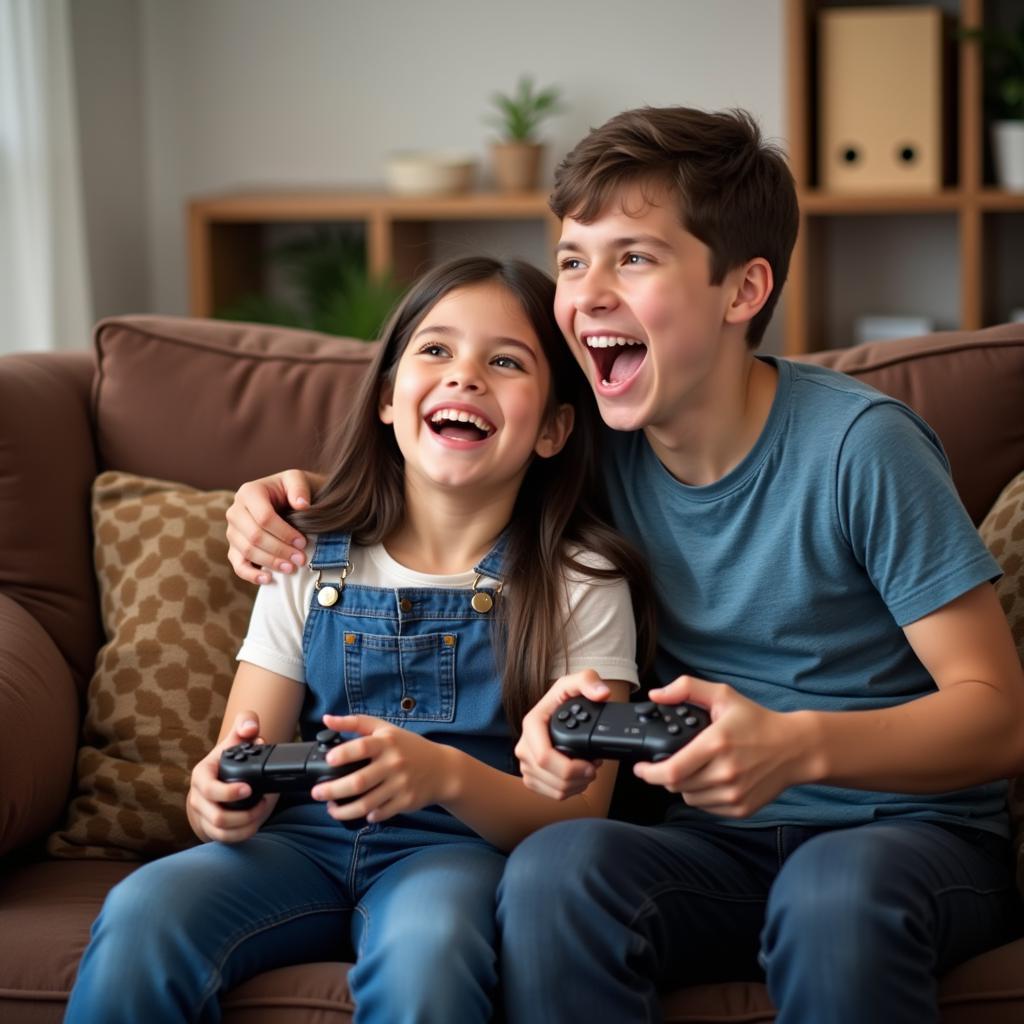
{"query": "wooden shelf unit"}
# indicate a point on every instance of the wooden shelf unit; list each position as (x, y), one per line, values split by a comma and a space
(969, 197)
(224, 231)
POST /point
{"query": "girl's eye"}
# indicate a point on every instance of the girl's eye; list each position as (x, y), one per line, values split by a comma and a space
(636, 259)
(507, 363)
(433, 349)
(570, 263)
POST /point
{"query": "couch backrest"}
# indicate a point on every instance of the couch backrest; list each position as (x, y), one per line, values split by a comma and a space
(213, 404)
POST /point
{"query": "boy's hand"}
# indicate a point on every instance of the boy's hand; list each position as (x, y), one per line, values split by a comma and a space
(406, 772)
(544, 769)
(211, 821)
(743, 760)
(259, 539)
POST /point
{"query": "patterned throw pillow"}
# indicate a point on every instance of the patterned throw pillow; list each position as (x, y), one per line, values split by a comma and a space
(174, 615)
(1003, 532)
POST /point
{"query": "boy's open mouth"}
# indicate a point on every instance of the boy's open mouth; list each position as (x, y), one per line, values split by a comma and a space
(616, 357)
(460, 425)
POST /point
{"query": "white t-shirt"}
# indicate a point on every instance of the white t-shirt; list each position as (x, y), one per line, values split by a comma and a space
(601, 629)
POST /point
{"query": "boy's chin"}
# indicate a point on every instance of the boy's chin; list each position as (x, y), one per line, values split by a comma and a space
(621, 416)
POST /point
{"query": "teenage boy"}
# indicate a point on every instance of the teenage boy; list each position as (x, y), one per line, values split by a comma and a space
(821, 590)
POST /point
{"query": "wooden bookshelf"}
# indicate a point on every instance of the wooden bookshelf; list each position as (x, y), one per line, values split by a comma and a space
(225, 231)
(969, 198)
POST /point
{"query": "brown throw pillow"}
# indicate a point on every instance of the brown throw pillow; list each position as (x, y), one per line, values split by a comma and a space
(174, 615)
(1003, 532)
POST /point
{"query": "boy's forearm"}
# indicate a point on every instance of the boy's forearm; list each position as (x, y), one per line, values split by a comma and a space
(960, 736)
(498, 806)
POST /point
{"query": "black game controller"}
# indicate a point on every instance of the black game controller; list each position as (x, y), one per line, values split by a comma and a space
(281, 767)
(624, 732)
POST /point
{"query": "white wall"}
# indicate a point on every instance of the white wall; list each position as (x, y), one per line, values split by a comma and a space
(318, 92)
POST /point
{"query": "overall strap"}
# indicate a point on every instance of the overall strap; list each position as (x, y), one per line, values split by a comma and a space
(331, 551)
(491, 564)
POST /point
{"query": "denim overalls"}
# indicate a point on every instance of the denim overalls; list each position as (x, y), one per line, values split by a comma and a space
(412, 896)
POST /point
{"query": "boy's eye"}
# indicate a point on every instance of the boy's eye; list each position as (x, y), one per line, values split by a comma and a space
(570, 263)
(636, 259)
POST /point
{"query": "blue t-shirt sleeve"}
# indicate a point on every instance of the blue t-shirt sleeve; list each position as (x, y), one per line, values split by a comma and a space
(900, 514)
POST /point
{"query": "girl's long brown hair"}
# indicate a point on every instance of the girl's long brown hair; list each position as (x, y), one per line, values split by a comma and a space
(559, 511)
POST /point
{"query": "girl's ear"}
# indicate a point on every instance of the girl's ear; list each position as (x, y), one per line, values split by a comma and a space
(555, 432)
(385, 410)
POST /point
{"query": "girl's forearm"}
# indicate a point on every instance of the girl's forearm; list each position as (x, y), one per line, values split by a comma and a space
(498, 806)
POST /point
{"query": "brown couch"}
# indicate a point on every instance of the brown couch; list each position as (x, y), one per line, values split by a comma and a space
(212, 405)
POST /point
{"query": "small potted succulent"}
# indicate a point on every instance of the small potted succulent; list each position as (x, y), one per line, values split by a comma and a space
(1003, 54)
(517, 157)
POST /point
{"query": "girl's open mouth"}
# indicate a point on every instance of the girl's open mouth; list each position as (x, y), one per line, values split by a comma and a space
(616, 357)
(460, 425)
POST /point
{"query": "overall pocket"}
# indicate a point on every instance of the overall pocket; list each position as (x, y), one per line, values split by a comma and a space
(401, 678)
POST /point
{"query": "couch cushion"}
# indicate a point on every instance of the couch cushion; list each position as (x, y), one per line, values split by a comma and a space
(1003, 532)
(214, 404)
(174, 614)
(969, 385)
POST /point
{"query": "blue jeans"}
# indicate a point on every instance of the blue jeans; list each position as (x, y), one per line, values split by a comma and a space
(416, 907)
(848, 925)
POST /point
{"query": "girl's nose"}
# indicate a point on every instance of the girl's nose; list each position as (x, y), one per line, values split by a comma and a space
(464, 375)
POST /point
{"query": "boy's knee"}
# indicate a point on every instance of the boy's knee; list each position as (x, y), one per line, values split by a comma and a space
(557, 863)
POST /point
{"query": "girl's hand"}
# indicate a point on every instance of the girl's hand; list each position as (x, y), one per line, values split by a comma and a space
(739, 763)
(544, 769)
(259, 539)
(209, 819)
(406, 771)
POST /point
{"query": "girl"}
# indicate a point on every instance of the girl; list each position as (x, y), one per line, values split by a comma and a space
(458, 567)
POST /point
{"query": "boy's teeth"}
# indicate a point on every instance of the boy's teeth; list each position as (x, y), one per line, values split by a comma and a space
(609, 340)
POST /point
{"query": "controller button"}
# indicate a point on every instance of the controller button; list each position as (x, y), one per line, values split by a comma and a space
(239, 756)
(674, 729)
(690, 720)
(576, 708)
(326, 736)
(645, 707)
(583, 716)
(407, 703)
(571, 723)
(562, 715)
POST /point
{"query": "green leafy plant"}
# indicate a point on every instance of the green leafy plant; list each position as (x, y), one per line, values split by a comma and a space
(334, 291)
(1003, 53)
(519, 114)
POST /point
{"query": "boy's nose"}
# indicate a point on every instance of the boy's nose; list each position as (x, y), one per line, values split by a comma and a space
(595, 295)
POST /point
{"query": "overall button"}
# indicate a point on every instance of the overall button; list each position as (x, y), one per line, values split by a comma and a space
(405, 604)
(408, 703)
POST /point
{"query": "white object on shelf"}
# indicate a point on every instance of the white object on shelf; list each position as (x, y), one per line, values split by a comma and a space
(888, 328)
(430, 172)
(1008, 150)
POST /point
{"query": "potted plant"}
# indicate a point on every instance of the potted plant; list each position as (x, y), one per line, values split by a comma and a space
(517, 157)
(1003, 53)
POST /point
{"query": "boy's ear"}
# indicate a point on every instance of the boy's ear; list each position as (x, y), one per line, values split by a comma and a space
(385, 410)
(753, 285)
(555, 432)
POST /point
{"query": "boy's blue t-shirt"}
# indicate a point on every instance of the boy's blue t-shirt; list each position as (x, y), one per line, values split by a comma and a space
(791, 577)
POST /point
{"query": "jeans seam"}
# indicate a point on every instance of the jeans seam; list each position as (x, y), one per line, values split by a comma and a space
(650, 899)
(265, 925)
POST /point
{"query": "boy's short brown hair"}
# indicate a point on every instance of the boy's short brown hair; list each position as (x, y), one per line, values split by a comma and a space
(735, 191)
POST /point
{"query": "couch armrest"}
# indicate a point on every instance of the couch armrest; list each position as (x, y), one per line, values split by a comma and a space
(38, 727)
(47, 465)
